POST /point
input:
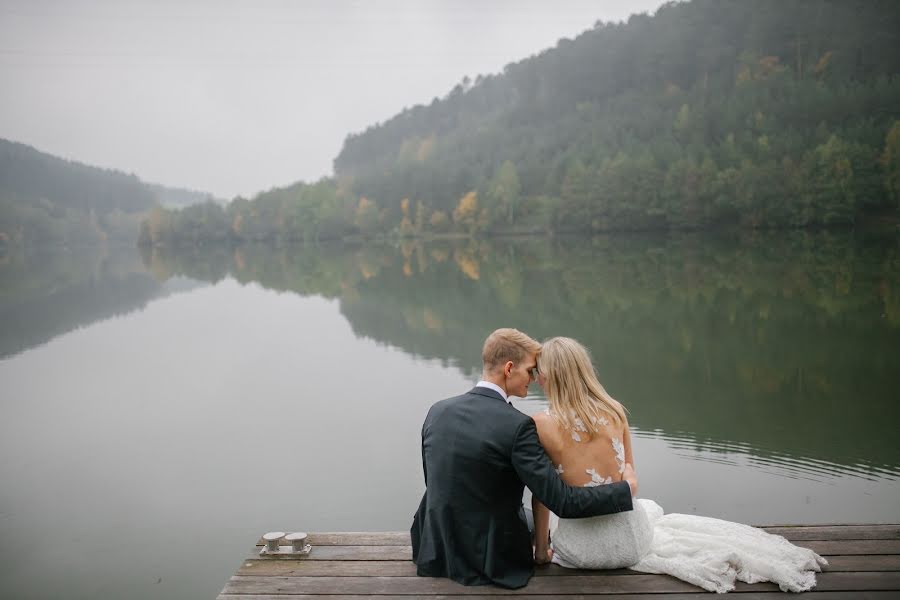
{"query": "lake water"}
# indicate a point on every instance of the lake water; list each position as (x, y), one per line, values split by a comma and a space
(160, 412)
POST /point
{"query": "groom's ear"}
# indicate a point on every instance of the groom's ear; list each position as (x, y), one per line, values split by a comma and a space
(508, 367)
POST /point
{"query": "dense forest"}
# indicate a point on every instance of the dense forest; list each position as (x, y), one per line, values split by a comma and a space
(45, 199)
(707, 114)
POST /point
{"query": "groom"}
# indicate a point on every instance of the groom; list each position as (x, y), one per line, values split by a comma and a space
(478, 452)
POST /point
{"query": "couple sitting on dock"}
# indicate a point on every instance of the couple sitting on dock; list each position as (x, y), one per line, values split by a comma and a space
(479, 452)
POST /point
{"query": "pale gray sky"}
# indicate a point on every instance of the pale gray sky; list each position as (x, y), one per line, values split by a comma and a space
(235, 97)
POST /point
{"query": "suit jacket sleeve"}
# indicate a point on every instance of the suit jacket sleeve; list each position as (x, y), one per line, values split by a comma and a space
(424, 465)
(537, 472)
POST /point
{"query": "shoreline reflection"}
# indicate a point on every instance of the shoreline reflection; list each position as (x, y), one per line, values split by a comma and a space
(783, 342)
(46, 295)
(780, 345)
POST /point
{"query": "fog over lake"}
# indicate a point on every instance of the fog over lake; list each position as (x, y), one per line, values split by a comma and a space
(160, 411)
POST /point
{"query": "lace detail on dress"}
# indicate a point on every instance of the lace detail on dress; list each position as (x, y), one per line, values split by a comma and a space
(619, 447)
(600, 421)
(579, 426)
(596, 479)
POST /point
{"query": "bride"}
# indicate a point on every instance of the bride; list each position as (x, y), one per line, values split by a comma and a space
(585, 433)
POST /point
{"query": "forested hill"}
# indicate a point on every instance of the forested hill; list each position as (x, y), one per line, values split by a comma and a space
(707, 114)
(763, 113)
(47, 199)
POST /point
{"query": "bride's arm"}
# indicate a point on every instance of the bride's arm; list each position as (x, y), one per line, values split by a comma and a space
(541, 513)
(542, 552)
(629, 473)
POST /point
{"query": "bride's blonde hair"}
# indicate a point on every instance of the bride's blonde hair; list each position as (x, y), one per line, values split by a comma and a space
(572, 386)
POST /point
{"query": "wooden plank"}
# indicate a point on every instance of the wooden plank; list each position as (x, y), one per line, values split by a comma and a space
(355, 538)
(791, 532)
(405, 568)
(376, 568)
(837, 532)
(826, 582)
(864, 562)
(852, 595)
(825, 548)
(344, 553)
(836, 564)
(562, 585)
(319, 568)
(428, 585)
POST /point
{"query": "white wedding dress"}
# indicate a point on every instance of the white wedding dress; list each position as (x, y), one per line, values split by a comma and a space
(709, 553)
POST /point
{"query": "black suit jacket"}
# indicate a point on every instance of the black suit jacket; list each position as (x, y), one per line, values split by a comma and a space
(478, 453)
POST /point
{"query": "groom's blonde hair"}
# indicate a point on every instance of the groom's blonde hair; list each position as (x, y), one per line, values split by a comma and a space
(505, 345)
(572, 386)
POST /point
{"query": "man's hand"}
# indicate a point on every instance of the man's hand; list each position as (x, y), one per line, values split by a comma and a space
(631, 477)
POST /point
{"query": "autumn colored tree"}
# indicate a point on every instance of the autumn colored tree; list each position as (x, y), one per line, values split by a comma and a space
(406, 227)
(467, 215)
(366, 215)
(439, 221)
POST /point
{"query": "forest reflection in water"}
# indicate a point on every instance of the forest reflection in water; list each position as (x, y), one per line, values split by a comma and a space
(781, 347)
(47, 294)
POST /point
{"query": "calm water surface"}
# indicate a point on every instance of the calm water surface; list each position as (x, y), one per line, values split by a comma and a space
(159, 412)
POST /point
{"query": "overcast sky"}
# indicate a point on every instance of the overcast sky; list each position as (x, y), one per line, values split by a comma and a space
(237, 97)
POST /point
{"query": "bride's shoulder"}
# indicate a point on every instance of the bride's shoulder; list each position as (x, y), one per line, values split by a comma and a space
(542, 417)
(547, 429)
(544, 420)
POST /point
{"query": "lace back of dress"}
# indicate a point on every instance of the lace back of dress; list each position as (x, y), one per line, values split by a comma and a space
(579, 434)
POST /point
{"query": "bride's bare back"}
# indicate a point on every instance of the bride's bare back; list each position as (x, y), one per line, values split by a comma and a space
(584, 457)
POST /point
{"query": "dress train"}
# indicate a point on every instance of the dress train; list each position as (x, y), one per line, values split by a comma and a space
(709, 553)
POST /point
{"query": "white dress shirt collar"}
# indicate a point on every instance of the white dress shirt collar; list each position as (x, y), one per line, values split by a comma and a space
(492, 386)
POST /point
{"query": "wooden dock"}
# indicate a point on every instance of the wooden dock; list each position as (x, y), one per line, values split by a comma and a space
(864, 563)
